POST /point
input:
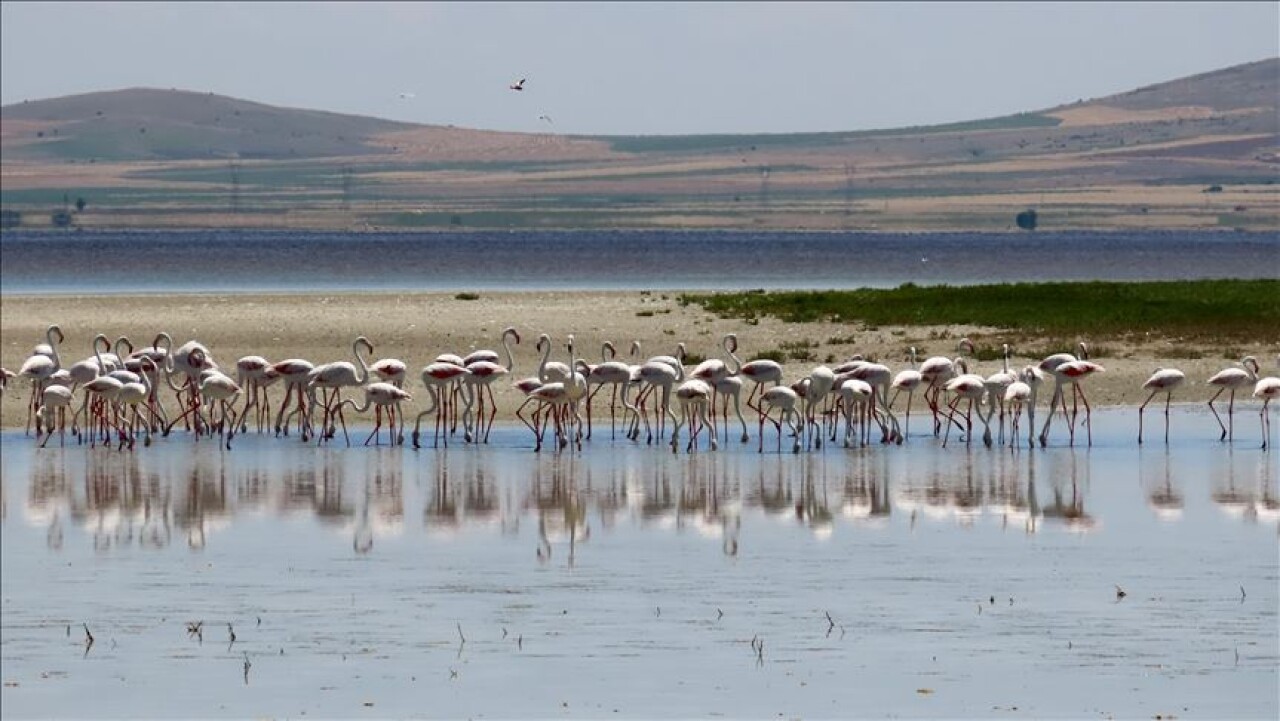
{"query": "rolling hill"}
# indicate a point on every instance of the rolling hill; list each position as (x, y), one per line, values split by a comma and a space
(162, 158)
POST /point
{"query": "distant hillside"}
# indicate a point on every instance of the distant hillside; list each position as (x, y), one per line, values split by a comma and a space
(1197, 152)
(150, 124)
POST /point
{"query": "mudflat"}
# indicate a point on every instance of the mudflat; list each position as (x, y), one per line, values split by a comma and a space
(416, 327)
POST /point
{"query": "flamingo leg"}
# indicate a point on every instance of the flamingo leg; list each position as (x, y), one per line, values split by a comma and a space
(1140, 409)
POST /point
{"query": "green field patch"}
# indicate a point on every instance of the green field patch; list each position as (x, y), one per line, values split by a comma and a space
(1246, 311)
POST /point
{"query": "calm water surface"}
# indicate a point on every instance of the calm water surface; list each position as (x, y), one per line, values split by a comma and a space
(627, 582)
(266, 261)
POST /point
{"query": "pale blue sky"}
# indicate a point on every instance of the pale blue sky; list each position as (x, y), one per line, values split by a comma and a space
(613, 68)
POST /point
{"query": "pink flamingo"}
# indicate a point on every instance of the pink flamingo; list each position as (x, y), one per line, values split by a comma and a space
(971, 387)
(855, 394)
(996, 384)
(1267, 389)
(907, 380)
(760, 371)
(1164, 380)
(131, 396)
(784, 399)
(559, 401)
(935, 372)
(251, 374)
(38, 368)
(294, 373)
(333, 377)
(693, 396)
(485, 370)
(53, 402)
(384, 396)
(1020, 395)
(660, 372)
(217, 387)
(439, 377)
(1066, 369)
(879, 378)
(1229, 379)
(609, 372)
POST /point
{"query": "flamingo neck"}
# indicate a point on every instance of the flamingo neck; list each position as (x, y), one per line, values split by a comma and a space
(53, 347)
(364, 367)
(97, 354)
(545, 342)
(506, 346)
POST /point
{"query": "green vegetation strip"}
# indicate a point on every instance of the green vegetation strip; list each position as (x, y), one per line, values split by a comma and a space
(1203, 310)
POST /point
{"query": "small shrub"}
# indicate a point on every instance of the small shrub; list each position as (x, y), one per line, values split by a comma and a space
(693, 359)
(774, 355)
(467, 296)
(644, 314)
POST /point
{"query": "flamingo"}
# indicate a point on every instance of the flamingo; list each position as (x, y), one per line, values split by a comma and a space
(971, 387)
(1164, 380)
(159, 356)
(382, 395)
(784, 399)
(1021, 394)
(1067, 369)
(517, 85)
(556, 397)
(661, 372)
(251, 373)
(484, 371)
(693, 396)
(217, 386)
(438, 377)
(879, 378)
(294, 373)
(38, 368)
(609, 372)
(130, 396)
(1267, 389)
(1229, 379)
(859, 394)
(730, 387)
(336, 376)
(54, 400)
(6, 375)
(935, 372)
(761, 371)
(821, 380)
(996, 384)
(907, 380)
(99, 396)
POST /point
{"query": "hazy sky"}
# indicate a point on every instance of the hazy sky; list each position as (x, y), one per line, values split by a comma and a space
(655, 68)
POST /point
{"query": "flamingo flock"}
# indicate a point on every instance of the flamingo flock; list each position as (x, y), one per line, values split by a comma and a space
(120, 396)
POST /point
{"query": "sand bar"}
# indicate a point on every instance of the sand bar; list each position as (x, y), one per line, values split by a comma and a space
(415, 327)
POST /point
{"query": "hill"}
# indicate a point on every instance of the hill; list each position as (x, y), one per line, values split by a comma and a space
(162, 158)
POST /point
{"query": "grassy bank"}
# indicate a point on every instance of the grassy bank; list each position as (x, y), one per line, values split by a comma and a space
(1204, 311)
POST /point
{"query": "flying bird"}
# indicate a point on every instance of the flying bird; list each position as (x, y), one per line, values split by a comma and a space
(546, 118)
(518, 86)
(406, 96)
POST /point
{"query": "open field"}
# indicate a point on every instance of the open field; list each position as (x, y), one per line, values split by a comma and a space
(1199, 152)
(415, 327)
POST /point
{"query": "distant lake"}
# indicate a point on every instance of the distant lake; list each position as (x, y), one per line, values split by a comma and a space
(266, 261)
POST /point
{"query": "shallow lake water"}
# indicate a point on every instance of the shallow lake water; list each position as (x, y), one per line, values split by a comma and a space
(287, 261)
(626, 582)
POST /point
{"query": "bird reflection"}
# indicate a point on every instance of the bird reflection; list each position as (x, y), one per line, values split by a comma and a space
(1069, 508)
(561, 515)
(1234, 501)
(1164, 499)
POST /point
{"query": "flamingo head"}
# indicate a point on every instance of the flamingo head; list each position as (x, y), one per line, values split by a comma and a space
(613, 352)
(965, 345)
(55, 329)
(509, 331)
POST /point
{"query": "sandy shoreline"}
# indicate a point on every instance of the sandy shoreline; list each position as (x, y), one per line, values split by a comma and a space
(415, 327)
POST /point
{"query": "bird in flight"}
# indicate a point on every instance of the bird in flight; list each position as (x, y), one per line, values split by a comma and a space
(546, 118)
(406, 96)
(518, 86)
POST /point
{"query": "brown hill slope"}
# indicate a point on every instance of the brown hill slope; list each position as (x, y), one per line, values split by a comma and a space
(1138, 159)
